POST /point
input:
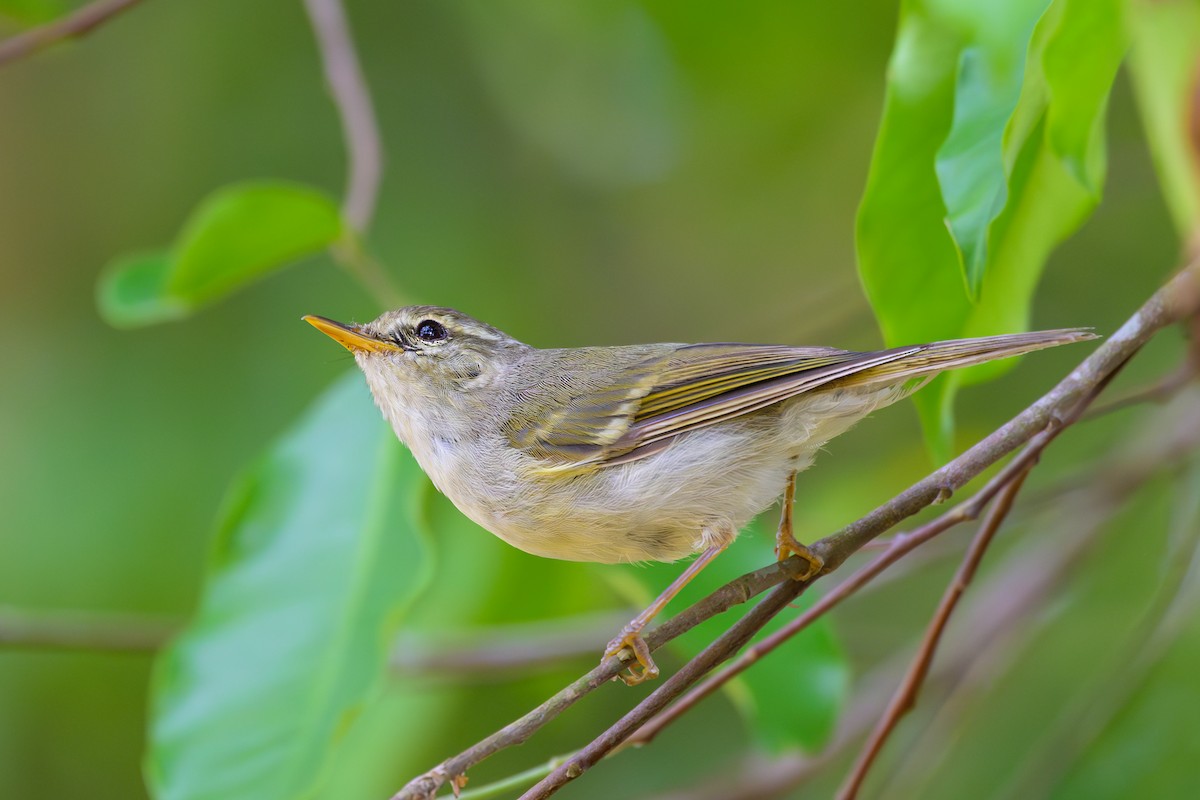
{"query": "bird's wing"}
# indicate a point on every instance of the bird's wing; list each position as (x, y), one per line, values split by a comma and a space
(635, 407)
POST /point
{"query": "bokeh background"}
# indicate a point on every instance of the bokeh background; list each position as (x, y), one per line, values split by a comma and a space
(683, 172)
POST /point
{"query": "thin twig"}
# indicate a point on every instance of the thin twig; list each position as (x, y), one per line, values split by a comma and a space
(1160, 391)
(72, 26)
(364, 148)
(1178, 299)
(348, 87)
(900, 546)
(513, 782)
(496, 653)
(906, 694)
(76, 631)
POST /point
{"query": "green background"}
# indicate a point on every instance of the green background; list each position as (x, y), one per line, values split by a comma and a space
(691, 172)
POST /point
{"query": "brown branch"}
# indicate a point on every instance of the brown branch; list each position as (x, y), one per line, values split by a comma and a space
(364, 148)
(905, 697)
(72, 631)
(998, 613)
(1158, 392)
(733, 593)
(348, 87)
(72, 26)
(899, 546)
(1178, 299)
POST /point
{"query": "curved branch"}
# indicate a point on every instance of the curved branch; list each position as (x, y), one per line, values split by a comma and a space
(348, 87)
(364, 148)
(72, 26)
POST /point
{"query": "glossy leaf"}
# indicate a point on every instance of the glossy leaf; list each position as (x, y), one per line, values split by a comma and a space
(1080, 63)
(990, 153)
(970, 163)
(320, 550)
(243, 231)
(237, 235)
(1164, 68)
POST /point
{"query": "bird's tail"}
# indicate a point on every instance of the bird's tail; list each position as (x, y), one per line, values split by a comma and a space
(926, 360)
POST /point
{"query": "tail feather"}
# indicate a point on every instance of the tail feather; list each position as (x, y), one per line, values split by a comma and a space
(930, 359)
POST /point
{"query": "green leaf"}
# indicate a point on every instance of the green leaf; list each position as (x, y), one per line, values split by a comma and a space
(131, 292)
(793, 696)
(320, 551)
(1080, 65)
(970, 163)
(1164, 64)
(244, 231)
(237, 235)
(990, 153)
(30, 12)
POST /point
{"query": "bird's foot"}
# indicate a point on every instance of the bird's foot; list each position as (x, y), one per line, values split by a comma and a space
(630, 639)
(786, 546)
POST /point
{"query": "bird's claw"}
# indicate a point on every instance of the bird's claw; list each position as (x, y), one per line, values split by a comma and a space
(632, 641)
(787, 546)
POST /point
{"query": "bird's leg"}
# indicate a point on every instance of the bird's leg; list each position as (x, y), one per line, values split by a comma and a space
(631, 635)
(785, 541)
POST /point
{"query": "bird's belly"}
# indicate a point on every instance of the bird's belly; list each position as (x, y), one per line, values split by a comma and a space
(660, 508)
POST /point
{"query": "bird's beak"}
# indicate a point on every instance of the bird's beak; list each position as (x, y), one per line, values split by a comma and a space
(350, 338)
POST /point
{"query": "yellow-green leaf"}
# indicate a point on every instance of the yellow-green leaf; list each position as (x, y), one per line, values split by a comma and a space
(237, 235)
(990, 153)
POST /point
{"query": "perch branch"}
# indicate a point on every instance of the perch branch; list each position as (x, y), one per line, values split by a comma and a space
(900, 546)
(997, 623)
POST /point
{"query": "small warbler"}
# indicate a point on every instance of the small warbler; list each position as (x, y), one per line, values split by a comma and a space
(643, 452)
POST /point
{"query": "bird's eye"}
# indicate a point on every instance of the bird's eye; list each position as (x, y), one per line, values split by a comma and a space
(431, 331)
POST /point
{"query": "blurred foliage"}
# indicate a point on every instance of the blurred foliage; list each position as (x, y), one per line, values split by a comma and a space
(577, 174)
(29, 12)
(991, 152)
(1163, 68)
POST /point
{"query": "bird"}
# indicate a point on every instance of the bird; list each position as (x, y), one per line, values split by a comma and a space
(634, 453)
